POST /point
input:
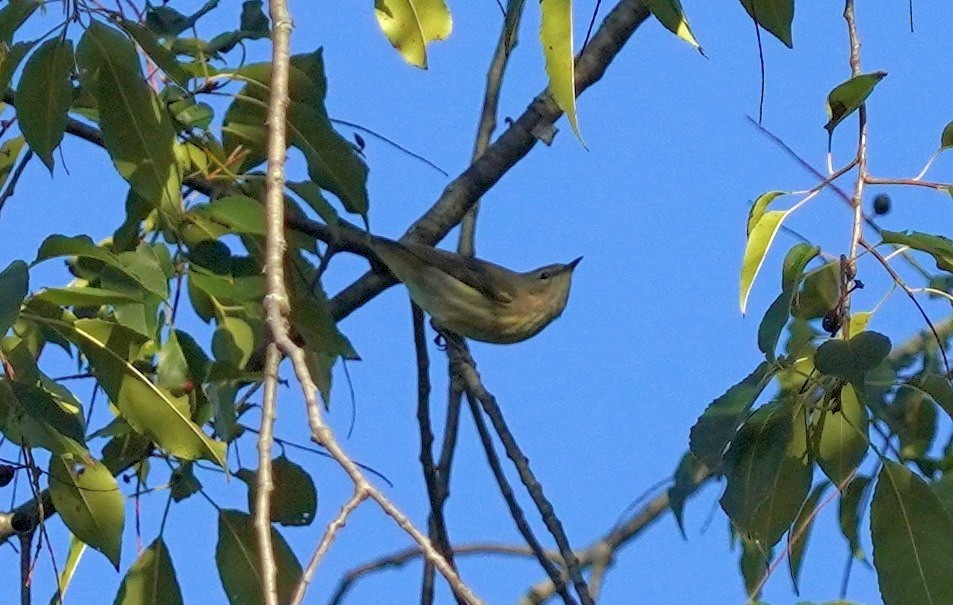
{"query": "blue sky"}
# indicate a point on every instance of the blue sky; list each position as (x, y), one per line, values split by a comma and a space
(603, 399)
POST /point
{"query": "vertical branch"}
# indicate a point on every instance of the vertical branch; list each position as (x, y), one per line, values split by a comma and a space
(275, 280)
(436, 524)
(857, 197)
(491, 101)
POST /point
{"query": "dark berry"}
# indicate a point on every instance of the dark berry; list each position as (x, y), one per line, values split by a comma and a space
(6, 474)
(881, 204)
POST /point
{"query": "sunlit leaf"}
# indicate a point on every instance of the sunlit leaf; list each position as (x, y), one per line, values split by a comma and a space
(759, 207)
(910, 530)
(150, 410)
(236, 556)
(73, 557)
(670, 14)
(775, 16)
(411, 25)
(847, 97)
(138, 135)
(556, 36)
(241, 214)
(760, 238)
(819, 293)
(233, 341)
(9, 154)
(173, 370)
(151, 579)
(86, 496)
(721, 419)
(45, 95)
(83, 296)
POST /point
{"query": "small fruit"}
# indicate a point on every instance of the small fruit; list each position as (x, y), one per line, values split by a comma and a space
(6, 474)
(881, 204)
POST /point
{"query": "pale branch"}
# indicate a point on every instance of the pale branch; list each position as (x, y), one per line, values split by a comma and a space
(324, 545)
(619, 536)
(857, 198)
(275, 246)
(402, 557)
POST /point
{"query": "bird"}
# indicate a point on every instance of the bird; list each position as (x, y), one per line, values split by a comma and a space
(475, 298)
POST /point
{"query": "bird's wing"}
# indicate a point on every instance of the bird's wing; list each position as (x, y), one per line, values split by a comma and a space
(479, 275)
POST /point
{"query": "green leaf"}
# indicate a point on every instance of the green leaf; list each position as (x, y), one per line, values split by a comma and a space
(938, 388)
(853, 359)
(236, 555)
(151, 579)
(760, 206)
(86, 496)
(760, 238)
(253, 20)
(32, 416)
(768, 476)
(73, 556)
(841, 437)
(294, 500)
(776, 317)
(160, 55)
(848, 96)
(13, 15)
(670, 14)
(946, 138)
(241, 214)
(775, 16)
(910, 530)
(14, 285)
(411, 25)
(83, 296)
(685, 484)
(150, 410)
(333, 162)
(556, 36)
(850, 512)
(753, 564)
(937, 246)
(45, 95)
(233, 342)
(721, 419)
(184, 482)
(819, 293)
(173, 371)
(801, 531)
(9, 154)
(138, 135)
(10, 59)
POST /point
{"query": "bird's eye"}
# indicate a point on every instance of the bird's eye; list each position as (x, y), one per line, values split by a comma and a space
(544, 275)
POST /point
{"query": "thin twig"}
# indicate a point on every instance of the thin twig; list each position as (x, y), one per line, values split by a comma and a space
(516, 512)
(436, 523)
(475, 389)
(15, 178)
(327, 538)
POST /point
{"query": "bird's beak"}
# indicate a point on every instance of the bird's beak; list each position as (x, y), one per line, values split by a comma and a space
(573, 264)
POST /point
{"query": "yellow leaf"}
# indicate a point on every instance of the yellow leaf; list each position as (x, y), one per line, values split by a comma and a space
(412, 24)
(556, 36)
